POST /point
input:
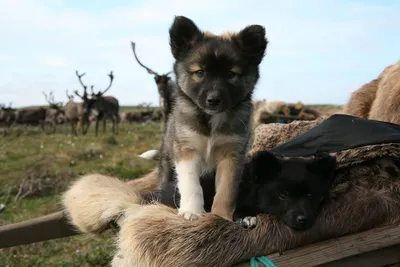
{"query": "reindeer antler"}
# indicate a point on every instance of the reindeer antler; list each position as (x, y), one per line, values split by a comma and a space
(52, 97)
(80, 79)
(140, 63)
(109, 86)
(51, 101)
(83, 85)
(47, 98)
(76, 92)
(166, 74)
(70, 97)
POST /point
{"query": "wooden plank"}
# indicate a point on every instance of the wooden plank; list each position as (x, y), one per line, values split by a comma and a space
(337, 248)
(47, 227)
(389, 256)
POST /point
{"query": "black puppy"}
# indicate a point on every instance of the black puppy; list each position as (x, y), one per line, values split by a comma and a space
(292, 189)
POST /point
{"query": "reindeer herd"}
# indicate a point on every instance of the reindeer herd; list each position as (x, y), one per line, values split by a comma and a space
(94, 107)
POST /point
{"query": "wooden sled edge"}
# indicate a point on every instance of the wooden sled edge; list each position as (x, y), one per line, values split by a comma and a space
(51, 226)
(371, 248)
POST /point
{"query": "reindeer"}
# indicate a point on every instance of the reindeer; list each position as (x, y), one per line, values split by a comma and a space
(166, 87)
(7, 117)
(103, 107)
(54, 113)
(74, 114)
(31, 116)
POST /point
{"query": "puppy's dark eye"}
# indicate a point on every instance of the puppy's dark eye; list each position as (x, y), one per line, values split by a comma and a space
(199, 73)
(232, 74)
(309, 195)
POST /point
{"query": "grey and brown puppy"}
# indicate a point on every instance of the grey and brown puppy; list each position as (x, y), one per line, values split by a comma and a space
(210, 124)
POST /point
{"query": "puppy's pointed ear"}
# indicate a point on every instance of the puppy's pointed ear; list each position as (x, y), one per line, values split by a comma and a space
(323, 164)
(183, 34)
(253, 43)
(264, 165)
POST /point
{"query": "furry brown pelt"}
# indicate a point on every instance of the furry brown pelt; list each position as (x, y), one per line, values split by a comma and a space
(361, 100)
(265, 112)
(378, 99)
(267, 136)
(366, 195)
(386, 106)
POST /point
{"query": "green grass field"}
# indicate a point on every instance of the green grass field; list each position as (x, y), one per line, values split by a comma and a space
(36, 167)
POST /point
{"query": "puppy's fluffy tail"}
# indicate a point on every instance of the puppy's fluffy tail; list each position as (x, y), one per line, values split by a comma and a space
(95, 200)
(152, 154)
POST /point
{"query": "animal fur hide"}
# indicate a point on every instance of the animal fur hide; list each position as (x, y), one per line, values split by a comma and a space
(378, 99)
(366, 195)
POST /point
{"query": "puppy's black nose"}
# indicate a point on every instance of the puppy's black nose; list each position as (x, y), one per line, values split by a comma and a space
(213, 100)
(301, 219)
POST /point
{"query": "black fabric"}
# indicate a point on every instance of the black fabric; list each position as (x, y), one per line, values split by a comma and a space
(339, 132)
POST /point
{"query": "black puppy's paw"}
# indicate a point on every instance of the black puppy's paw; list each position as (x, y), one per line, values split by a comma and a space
(248, 222)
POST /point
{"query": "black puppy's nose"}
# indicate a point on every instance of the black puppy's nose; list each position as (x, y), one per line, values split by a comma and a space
(213, 100)
(301, 219)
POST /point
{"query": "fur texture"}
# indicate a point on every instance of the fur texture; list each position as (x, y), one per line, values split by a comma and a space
(267, 136)
(210, 122)
(361, 100)
(386, 106)
(265, 112)
(378, 99)
(95, 200)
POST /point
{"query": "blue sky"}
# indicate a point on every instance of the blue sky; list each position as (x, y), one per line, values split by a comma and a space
(319, 51)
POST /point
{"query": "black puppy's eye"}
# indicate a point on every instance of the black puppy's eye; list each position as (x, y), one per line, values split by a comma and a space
(232, 74)
(309, 195)
(199, 73)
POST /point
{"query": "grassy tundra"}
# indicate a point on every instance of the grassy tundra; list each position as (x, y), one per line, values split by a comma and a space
(36, 167)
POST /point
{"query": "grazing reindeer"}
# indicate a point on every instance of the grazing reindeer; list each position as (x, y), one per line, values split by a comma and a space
(103, 107)
(54, 113)
(74, 114)
(7, 117)
(31, 116)
(166, 88)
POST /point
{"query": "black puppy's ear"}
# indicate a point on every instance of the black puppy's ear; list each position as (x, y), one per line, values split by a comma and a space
(323, 164)
(253, 43)
(264, 165)
(183, 34)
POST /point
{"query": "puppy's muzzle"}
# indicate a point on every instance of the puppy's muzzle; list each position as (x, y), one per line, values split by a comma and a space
(213, 100)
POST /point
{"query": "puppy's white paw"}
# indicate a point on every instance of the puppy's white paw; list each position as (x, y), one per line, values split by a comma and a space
(248, 222)
(190, 216)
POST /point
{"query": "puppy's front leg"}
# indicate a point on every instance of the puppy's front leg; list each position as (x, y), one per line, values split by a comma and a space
(188, 168)
(227, 179)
